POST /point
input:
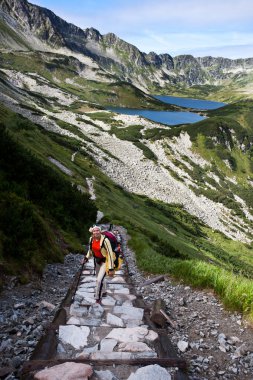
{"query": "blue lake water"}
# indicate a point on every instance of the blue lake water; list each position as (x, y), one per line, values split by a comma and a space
(191, 103)
(165, 117)
(172, 117)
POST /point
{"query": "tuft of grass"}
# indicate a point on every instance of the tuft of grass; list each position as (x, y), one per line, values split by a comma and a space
(236, 292)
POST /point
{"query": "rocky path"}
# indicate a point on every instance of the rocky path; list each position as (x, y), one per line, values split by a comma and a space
(111, 335)
(216, 344)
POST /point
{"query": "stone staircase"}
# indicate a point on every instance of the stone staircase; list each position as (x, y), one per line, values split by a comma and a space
(112, 340)
(111, 330)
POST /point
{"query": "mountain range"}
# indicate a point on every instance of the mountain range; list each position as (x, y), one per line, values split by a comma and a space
(28, 27)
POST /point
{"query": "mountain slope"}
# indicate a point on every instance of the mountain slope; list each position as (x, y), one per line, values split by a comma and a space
(136, 163)
(41, 213)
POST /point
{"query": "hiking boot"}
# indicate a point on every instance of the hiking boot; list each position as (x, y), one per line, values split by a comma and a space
(98, 301)
(104, 294)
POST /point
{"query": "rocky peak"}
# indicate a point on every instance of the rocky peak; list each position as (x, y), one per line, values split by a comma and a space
(181, 61)
(45, 25)
(153, 59)
(92, 34)
(167, 60)
(159, 60)
(111, 38)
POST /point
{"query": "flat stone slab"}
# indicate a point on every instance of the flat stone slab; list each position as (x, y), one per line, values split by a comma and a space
(86, 272)
(107, 345)
(120, 297)
(116, 286)
(88, 279)
(113, 320)
(132, 334)
(130, 312)
(134, 347)
(117, 279)
(65, 371)
(78, 311)
(86, 285)
(86, 299)
(150, 372)
(74, 335)
(110, 355)
(108, 301)
(132, 322)
(121, 291)
(92, 322)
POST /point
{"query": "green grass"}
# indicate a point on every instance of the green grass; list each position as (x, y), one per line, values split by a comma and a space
(166, 239)
(42, 214)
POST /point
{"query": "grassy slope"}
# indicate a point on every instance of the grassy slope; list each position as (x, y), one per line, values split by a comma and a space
(41, 215)
(167, 239)
(210, 137)
(231, 90)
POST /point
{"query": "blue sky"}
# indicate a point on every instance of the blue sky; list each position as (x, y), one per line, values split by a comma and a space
(221, 28)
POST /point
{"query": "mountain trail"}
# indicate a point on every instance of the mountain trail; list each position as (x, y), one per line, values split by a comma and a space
(216, 343)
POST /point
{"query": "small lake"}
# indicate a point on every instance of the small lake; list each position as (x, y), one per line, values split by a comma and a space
(165, 117)
(172, 117)
(198, 104)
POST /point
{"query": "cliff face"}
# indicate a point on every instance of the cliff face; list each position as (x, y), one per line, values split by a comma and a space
(39, 28)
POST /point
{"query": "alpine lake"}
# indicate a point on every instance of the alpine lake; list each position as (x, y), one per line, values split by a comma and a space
(172, 117)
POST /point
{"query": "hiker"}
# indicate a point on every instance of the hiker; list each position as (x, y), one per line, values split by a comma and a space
(118, 236)
(100, 248)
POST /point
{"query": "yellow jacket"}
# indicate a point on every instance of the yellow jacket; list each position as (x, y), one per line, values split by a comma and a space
(106, 250)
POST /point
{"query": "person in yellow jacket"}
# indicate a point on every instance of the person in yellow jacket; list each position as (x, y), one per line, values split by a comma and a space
(100, 248)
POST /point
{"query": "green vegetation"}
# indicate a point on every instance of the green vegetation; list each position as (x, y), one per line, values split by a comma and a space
(41, 213)
(225, 139)
(166, 239)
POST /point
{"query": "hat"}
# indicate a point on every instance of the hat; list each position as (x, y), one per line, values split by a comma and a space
(91, 229)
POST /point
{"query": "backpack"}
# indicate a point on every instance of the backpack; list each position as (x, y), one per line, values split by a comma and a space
(115, 247)
(112, 238)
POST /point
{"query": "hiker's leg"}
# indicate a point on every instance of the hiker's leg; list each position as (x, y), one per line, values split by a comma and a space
(100, 281)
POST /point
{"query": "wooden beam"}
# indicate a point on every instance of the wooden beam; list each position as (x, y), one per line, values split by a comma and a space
(153, 280)
(172, 323)
(36, 365)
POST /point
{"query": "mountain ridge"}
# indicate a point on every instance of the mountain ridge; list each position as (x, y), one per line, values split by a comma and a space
(147, 71)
